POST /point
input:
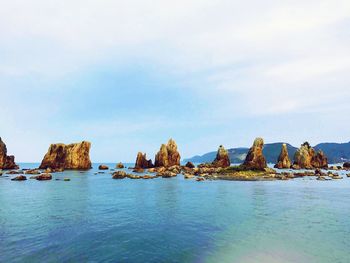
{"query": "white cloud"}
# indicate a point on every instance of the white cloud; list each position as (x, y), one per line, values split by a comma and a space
(257, 58)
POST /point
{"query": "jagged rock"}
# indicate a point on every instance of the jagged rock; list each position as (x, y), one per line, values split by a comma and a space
(119, 175)
(19, 178)
(222, 158)
(43, 177)
(168, 155)
(138, 170)
(103, 167)
(72, 156)
(283, 159)
(190, 165)
(6, 162)
(142, 162)
(255, 159)
(119, 166)
(306, 158)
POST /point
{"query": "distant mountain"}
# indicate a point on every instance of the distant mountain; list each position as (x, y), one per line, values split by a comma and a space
(336, 153)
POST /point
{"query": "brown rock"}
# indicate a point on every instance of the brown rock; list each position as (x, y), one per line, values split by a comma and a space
(306, 158)
(346, 165)
(168, 155)
(142, 162)
(6, 162)
(222, 158)
(19, 178)
(43, 177)
(119, 175)
(283, 159)
(255, 159)
(72, 156)
(103, 167)
(190, 165)
(119, 166)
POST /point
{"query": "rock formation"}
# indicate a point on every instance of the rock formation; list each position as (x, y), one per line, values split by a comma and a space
(307, 158)
(222, 158)
(6, 162)
(190, 165)
(283, 160)
(72, 156)
(255, 159)
(142, 162)
(168, 155)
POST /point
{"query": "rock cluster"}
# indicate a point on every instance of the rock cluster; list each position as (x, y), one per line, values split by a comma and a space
(142, 162)
(222, 158)
(72, 156)
(6, 162)
(167, 155)
(283, 159)
(307, 158)
(255, 159)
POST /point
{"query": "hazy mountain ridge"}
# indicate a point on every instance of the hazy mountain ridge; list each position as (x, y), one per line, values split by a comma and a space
(336, 153)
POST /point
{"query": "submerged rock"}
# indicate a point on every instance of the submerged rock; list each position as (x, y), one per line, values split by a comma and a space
(72, 156)
(19, 178)
(255, 159)
(6, 162)
(307, 158)
(222, 158)
(283, 159)
(142, 162)
(168, 155)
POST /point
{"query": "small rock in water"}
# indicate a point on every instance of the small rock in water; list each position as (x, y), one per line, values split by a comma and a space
(103, 167)
(199, 179)
(66, 179)
(44, 177)
(19, 178)
(120, 166)
(119, 175)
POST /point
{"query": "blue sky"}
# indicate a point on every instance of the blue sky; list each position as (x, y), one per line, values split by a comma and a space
(128, 75)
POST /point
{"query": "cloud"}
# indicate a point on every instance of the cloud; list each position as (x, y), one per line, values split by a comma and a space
(198, 64)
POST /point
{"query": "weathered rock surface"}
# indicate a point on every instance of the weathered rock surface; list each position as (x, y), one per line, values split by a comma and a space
(222, 158)
(255, 159)
(119, 175)
(103, 167)
(190, 165)
(19, 178)
(142, 162)
(346, 165)
(6, 162)
(43, 177)
(307, 158)
(119, 166)
(71, 156)
(168, 155)
(283, 159)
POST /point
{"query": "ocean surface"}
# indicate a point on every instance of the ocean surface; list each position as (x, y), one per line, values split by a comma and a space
(93, 218)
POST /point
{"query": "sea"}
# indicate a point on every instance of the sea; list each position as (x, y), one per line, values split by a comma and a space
(93, 218)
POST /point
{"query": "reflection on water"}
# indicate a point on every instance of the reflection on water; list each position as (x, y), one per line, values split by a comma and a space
(94, 218)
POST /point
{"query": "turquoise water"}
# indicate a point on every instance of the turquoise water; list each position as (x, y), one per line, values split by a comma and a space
(93, 218)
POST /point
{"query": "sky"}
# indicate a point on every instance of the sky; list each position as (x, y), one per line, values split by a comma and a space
(129, 75)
